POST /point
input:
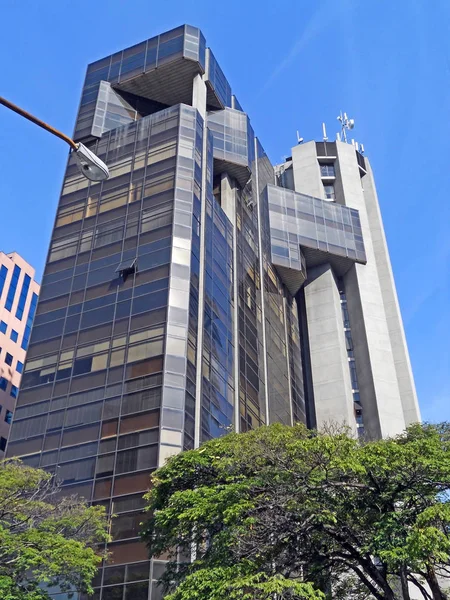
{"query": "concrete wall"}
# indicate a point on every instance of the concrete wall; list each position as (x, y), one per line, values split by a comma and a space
(377, 376)
(307, 171)
(390, 300)
(329, 362)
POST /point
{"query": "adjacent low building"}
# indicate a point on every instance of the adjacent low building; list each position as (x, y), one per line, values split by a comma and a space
(18, 300)
(200, 290)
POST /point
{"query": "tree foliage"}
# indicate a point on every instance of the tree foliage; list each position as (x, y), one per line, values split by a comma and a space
(296, 512)
(45, 539)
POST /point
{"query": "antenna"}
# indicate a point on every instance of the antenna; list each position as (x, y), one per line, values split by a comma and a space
(299, 139)
(361, 148)
(324, 130)
(346, 123)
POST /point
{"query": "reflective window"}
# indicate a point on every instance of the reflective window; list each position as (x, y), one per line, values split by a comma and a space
(3, 327)
(3, 383)
(19, 367)
(12, 288)
(30, 318)
(327, 170)
(9, 359)
(3, 274)
(23, 297)
(8, 417)
(329, 191)
(2, 444)
(14, 335)
(14, 391)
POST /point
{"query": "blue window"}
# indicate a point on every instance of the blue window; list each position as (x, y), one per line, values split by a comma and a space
(3, 383)
(14, 391)
(8, 359)
(30, 318)
(3, 327)
(12, 288)
(23, 297)
(19, 367)
(8, 417)
(14, 335)
(3, 274)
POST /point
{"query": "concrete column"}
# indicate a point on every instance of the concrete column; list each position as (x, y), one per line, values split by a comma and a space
(377, 377)
(199, 102)
(199, 95)
(228, 200)
(390, 301)
(228, 197)
(306, 169)
(329, 362)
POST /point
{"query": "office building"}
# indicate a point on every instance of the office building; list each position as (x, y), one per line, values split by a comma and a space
(199, 291)
(18, 299)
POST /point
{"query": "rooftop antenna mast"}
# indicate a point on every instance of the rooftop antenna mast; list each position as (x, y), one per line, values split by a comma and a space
(346, 124)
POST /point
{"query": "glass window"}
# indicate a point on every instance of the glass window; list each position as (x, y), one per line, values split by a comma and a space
(29, 323)
(114, 575)
(3, 274)
(3, 327)
(77, 471)
(8, 417)
(126, 526)
(8, 359)
(136, 459)
(329, 191)
(2, 444)
(23, 297)
(14, 391)
(3, 383)
(327, 170)
(14, 335)
(12, 288)
(137, 591)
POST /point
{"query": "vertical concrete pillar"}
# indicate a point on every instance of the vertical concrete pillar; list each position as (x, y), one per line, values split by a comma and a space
(199, 95)
(199, 102)
(307, 170)
(402, 363)
(329, 362)
(228, 201)
(377, 377)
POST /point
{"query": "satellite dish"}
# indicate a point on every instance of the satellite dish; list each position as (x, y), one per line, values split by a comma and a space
(351, 123)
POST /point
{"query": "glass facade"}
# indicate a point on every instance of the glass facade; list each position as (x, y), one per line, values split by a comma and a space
(298, 221)
(105, 386)
(233, 137)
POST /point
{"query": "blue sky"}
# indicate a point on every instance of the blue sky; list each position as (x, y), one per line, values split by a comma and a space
(292, 65)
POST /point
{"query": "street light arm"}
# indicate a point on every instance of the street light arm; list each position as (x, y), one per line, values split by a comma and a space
(38, 122)
(89, 164)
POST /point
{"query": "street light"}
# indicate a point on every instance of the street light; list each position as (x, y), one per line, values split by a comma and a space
(88, 163)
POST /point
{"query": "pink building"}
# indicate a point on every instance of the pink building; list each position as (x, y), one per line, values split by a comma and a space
(18, 298)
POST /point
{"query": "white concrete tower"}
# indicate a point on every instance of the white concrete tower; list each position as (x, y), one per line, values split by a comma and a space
(362, 367)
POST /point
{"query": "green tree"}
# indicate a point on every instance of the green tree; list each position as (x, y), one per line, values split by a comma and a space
(45, 539)
(305, 511)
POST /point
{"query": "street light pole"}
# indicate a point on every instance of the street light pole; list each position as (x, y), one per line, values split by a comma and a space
(89, 164)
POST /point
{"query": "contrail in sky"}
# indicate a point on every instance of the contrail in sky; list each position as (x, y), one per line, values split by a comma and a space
(320, 20)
